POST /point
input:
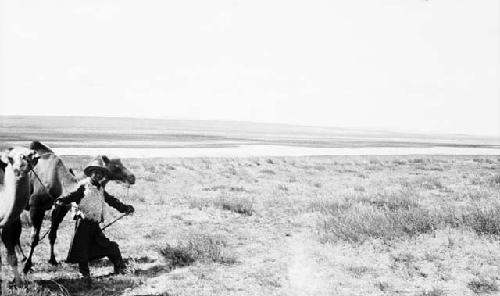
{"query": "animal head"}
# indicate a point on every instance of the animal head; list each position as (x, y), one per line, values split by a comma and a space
(21, 159)
(40, 148)
(117, 171)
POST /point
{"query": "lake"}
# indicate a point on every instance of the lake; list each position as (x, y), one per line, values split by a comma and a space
(272, 150)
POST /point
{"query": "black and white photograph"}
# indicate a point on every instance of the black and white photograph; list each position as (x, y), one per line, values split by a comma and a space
(240, 148)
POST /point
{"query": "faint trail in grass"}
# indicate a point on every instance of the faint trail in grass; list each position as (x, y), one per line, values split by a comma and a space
(304, 274)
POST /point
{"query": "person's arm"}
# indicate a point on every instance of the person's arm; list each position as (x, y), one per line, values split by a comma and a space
(118, 205)
(74, 196)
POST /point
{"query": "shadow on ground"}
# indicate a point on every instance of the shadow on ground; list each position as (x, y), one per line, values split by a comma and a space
(138, 270)
(112, 285)
(152, 271)
(100, 286)
(127, 261)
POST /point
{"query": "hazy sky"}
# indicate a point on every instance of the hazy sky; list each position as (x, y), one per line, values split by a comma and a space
(411, 65)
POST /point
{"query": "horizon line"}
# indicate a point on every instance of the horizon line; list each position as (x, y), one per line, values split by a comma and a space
(358, 128)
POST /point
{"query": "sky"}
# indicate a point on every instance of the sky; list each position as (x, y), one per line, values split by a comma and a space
(406, 65)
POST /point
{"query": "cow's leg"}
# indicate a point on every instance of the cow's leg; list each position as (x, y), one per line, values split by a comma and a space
(36, 216)
(10, 237)
(58, 214)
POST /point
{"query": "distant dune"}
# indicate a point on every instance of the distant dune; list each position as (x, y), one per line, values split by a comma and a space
(158, 133)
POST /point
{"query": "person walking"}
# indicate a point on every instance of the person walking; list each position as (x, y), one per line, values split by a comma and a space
(89, 242)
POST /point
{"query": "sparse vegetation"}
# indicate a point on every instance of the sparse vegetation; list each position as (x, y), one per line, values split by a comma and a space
(353, 225)
(495, 180)
(177, 256)
(433, 292)
(483, 285)
(386, 224)
(198, 247)
(33, 289)
(268, 172)
(236, 204)
(391, 217)
(483, 218)
(383, 286)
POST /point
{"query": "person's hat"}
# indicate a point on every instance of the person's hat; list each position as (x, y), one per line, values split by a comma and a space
(96, 164)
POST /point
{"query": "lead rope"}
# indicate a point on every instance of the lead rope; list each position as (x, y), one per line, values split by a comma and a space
(119, 217)
(43, 185)
(104, 227)
(50, 195)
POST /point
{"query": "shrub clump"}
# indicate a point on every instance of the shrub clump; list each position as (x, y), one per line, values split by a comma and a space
(237, 205)
(328, 207)
(176, 256)
(483, 218)
(198, 247)
(389, 218)
(433, 292)
(400, 162)
(430, 183)
(495, 180)
(362, 222)
(483, 285)
(46, 288)
(419, 160)
(406, 199)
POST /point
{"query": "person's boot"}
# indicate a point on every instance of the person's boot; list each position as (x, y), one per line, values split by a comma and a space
(120, 268)
(84, 270)
(116, 258)
(87, 281)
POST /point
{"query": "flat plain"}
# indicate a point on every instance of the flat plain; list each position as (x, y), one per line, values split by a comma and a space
(295, 226)
(325, 225)
(71, 131)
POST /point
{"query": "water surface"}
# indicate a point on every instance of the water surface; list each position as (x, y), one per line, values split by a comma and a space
(272, 150)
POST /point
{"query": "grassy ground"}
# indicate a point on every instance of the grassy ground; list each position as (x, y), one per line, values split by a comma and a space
(296, 226)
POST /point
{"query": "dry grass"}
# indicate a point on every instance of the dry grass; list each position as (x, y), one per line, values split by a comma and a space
(198, 247)
(495, 180)
(32, 289)
(296, 226)
(483, 285)
(396, 217)
(238, 205)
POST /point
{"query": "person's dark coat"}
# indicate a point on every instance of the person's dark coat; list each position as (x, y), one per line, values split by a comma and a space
(88, 241)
